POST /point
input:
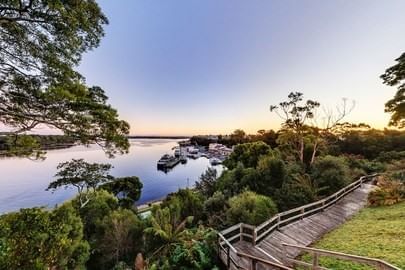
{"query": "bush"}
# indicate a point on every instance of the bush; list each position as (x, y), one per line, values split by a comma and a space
(248, 154)
(330, 173)
(188, 201)
(273, 174)
(388, 192)
(214, 210)
(251, 208)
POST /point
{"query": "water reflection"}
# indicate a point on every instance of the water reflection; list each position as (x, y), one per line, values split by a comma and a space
(23, 182)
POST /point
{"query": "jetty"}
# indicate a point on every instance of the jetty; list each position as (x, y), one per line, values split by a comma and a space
(276, 243)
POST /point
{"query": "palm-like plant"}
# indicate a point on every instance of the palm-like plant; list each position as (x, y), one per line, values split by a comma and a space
(168, 227)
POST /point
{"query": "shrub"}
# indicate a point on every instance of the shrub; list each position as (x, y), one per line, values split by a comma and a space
(330, 173)
(273, 174)
(388, 192)
(248, 154)
(214, 209)
(251, 208)
(188, 201)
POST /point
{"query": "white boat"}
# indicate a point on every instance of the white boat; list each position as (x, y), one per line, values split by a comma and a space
(215, 161)
(167, 161)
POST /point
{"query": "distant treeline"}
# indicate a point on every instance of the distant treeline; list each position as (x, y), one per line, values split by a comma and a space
(46, 142)
(159, 137)
(368, 143)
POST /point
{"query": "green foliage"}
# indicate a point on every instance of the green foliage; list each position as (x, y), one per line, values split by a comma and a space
(273, 174)
(206, 185)
(38, 239)
(371, 143)
(38, 83)
(120, 238)
(251, 208)
(127, 189)
(81, 175)
(331, 173)
(233, 182)
(166, 229)
(395, 76)
(196, 251)
(296, 192)
(248, 154)
(100, 205)
(215, 210)
(189, 203)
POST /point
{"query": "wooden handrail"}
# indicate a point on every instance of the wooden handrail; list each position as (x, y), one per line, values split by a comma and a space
(258, 234)
(254, 260)
(380, 264)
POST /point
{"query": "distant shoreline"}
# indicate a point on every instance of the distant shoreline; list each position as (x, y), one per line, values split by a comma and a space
(159, 137)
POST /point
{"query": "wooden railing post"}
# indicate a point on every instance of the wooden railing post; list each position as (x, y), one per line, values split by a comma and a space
(278, 221)
(241, 232)
(315, 262)
(254, 237)
(302, 213)
(228, 257)
(254, 263)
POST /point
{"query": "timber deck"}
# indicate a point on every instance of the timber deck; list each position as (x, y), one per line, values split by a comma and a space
(305, 231)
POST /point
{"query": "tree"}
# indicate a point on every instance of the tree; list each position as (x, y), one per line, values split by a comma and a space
(41, 43)
(206, 185)
(238, 136)
(83, 176)
(295, 116)
(248, 154)
(301, 127)
(127, 189)
(121, 237)
(251, 208)
(273, 174)
(215, 209)
(395, 76)
(330, 173)
(187, 201)
(39, 239)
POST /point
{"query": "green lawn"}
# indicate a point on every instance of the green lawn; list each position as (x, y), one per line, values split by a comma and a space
(375, 232)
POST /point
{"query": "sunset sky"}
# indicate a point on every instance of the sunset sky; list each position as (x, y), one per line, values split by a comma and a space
(198, 67)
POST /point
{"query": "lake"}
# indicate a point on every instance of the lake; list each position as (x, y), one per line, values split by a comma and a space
(23, 181)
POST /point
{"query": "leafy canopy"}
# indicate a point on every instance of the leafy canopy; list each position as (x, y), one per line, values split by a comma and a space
(81, 175)
(127, 189)
(41, 42)
(38, 239)
(395, 76)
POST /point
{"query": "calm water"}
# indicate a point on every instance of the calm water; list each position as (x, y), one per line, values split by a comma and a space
(23, 182)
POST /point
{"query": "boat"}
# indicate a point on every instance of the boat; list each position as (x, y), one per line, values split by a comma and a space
(177, 152)
(215, 161)
(183, 159)
(167, 161)
(193, 156)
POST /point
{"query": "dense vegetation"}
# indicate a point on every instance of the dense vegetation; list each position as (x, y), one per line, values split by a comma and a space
(100, 228)
(105, 231)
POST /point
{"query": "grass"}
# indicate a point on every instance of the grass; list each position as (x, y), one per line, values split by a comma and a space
(377, 232)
